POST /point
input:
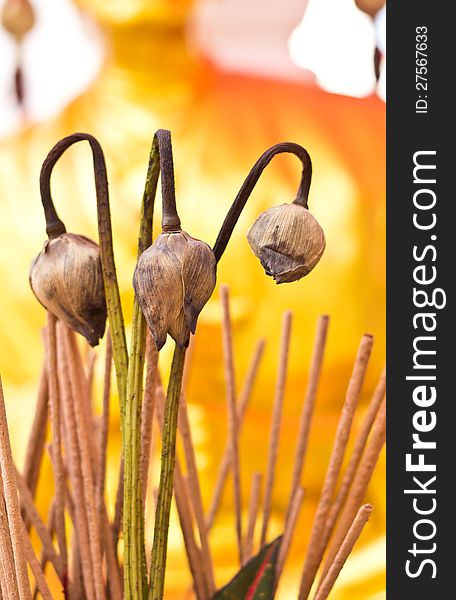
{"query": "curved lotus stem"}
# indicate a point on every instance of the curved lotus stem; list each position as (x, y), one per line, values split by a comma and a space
(251, 180)
(55, 227)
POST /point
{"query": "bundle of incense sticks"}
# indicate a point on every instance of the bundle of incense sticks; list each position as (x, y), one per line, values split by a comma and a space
(78, 544)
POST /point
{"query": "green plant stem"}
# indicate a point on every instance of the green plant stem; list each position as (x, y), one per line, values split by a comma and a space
(135, 567)
(165, 490)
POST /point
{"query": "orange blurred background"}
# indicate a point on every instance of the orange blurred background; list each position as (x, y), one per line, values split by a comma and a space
(229, 79)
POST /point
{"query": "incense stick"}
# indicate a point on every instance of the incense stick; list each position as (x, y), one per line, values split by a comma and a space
(82, 392)
(43, 557)
(276, 422)
(195, 491)
(254, 505)
(355, 458)
(31, 511)
(91, 363)
(109, 545)
(73, 457)
(77, 578)
(233, 429)
(225, 463)
(360, 483)
(346, 547)
(35, 566)
(57, 463)
(196, 563)
(315, 549)
(290, 526)
(37, 437)
(12, 505)
(307, 411)
(148, 407)
(8, 580)
(86, 463)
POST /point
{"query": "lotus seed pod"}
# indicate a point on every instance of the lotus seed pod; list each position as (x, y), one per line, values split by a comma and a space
(288, 240)
(66, 278)
(17, 17)
(173, 280)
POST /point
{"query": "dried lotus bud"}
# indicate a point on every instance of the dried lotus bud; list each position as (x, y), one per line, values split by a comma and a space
(17, 17)
(66, 278)
(288, 240)
(173, 280)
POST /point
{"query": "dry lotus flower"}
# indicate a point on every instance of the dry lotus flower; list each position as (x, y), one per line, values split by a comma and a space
(173, 280)
(288, 240)
(66, 278)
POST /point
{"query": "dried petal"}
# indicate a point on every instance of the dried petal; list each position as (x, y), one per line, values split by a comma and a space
(66, 278)
(173, 280)
(288, 240)
(199, 272)
(158, 286)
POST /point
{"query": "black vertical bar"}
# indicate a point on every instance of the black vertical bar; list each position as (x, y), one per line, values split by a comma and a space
(420, 119)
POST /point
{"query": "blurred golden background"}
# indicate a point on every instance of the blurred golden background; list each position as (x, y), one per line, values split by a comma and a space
(228, 79)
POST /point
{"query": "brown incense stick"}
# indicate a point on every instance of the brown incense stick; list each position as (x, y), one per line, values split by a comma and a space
(233, 429)
(12, 505)
(315, 549)
(225, 463)
(305, 421)
(355, 458)
(57, 463)
(77, 579)
(7, 571)
(288, 533)
(50, 528)
(194, 555)
(85, 401)
(195, 491)
(33, 516)
(346, 547)
(35, 566)
(37, 437)
(85, 457)
(276, 422)
(91, 364)
(254, 505)
(73, 457)
(195, 559)
(148, 407)
(360, 483)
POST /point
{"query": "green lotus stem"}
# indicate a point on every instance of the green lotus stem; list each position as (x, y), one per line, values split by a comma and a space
(165, 490)
(135, 567)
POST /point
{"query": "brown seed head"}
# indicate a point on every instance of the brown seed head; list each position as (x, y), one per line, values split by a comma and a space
(173, 280)
(288, 241)
(17, 17)
(66, 278)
